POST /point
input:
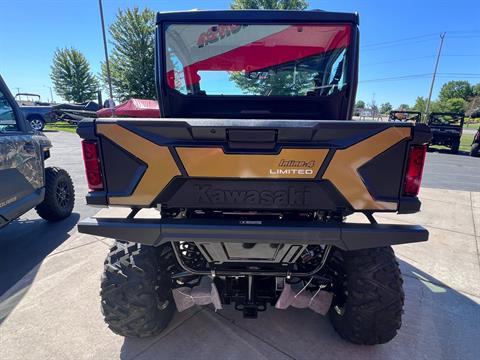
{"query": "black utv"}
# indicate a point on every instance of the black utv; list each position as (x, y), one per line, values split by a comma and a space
(475, 147)
(25, 182)
(253, 167)
(447, 129)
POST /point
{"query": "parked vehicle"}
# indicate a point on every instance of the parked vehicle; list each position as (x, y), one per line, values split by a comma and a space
(475, 148)
(38, 113)
(25, 183)
(73, 113)
(401, 115)
(447, 129)
(251, 184)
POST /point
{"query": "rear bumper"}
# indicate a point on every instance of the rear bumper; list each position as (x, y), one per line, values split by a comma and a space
(346, 236)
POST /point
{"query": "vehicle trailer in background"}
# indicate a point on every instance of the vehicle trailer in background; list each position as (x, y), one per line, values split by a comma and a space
(410, 116)
(253, 167)
(447, 129)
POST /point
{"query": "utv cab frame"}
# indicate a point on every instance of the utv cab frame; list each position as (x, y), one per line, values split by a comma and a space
(447, 129)
(254, 167)
(406, 116)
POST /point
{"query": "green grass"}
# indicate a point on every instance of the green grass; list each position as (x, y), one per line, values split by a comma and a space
(61, 126)
(473, 126)
(466, 142)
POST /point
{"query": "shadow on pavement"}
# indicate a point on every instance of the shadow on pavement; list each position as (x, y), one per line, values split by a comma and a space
(24, 244)
(438, 323)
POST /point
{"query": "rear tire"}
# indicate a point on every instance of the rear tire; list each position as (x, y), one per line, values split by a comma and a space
(368, 308)
(59, 195)
(455, 147)
(475, 150)
(135, 291)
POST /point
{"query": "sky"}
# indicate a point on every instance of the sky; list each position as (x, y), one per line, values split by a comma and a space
(399, 40)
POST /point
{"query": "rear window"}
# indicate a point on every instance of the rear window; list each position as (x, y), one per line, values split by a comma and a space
(446, 119)
(265, 60)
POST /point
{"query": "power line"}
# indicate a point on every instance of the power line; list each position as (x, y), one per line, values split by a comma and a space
(463, 31)
(380, 47)
(418, 58)
(460, 74)
(418, 76)
(454, 34)
(399, 40)
(402, 77)
(399, 60)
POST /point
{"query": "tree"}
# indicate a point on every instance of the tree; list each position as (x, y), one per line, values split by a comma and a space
(385, 108)
(420, 104)
(132, 57)
(454, 105)
(404, 107)
(360, 104)
(476, 89)
(456, 89)
(277, 82)
(71, 76)
(269, 4)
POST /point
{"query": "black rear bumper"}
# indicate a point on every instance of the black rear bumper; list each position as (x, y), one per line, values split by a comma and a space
(346, 236)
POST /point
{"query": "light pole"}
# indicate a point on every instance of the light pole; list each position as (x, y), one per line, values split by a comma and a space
(107, 64)
(427, 108)
(51, 93)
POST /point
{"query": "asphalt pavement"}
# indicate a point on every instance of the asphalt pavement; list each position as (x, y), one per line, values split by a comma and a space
(28, 240)
(449, 171)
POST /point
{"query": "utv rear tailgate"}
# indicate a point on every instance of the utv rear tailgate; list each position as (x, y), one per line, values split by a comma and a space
(261, 165)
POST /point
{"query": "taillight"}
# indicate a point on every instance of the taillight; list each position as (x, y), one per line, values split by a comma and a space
(413, 176)
(92, 165)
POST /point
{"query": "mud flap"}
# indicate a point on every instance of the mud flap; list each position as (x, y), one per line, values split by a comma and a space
(203, 294)
(302, 298)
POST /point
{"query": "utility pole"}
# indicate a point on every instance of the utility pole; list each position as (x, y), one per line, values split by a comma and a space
(427, 109)
(109, 79)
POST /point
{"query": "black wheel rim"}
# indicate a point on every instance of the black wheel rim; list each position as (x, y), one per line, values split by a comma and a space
(62, 195)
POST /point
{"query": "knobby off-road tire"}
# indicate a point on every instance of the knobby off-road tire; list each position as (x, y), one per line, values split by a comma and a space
(135, 291)
(475, 150)
(59, 195)
(455, 147)
(371, 312)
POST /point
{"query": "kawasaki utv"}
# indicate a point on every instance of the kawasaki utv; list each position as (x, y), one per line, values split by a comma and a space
(253, 168)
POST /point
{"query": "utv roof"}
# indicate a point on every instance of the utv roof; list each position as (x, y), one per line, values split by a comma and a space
(264, 16)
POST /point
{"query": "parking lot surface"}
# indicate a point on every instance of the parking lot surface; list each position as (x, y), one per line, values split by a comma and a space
(51, 310)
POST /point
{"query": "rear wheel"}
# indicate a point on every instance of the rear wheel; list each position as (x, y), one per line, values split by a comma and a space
(37, 123)
(59, 195)
(367, 307)
(475, 150)
(136, 291)
(455, 147)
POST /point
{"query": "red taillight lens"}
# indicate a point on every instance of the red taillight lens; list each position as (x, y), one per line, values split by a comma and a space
(92, 165)
(413, 177)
